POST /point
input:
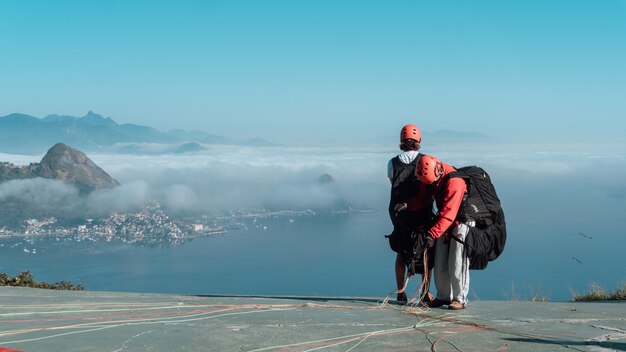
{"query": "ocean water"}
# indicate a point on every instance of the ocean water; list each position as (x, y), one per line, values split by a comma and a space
(565, 209)
(344, 255)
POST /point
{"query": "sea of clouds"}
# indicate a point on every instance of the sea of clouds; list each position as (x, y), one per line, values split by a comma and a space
(538, 181)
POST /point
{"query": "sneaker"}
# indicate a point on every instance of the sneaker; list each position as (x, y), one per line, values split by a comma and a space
(401, 298)
(456, 305)
(435, 303)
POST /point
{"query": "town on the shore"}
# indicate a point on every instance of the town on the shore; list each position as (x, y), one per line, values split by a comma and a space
(152, 226)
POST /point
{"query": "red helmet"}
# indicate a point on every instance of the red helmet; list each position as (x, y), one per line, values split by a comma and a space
(410, 131)
(429, 169)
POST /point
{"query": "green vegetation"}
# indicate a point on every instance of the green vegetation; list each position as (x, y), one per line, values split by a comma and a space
(598, 293)
(25, 279)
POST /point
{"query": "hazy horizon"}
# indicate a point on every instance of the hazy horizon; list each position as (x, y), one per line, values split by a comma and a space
(382, 139)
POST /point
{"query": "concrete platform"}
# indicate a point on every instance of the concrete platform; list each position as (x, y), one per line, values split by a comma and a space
(42, 320)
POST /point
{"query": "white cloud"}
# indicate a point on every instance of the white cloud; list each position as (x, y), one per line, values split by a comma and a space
(126, 197)
(41, 194)
(180, 197)
(227, 177)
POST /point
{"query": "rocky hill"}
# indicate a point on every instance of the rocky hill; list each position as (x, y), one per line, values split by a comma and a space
(62, 163)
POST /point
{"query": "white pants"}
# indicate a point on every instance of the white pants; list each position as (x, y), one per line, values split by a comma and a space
(452, 266)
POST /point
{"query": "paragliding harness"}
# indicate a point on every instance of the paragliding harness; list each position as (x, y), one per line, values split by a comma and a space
(409, 241)
(485, 241)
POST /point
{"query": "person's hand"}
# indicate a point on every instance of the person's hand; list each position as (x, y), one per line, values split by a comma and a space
(429, 241)
(399, 207)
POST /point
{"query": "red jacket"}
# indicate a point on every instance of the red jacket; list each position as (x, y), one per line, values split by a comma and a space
(448, 196)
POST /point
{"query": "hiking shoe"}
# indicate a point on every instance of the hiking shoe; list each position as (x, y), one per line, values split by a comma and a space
(435, 303)
(456, 305)
(401, 298)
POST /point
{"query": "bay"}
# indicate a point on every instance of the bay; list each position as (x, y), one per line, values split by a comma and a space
(343, 255)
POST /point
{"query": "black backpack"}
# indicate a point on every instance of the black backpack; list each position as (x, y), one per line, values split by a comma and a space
(407, 239)
(404, 184)
(485, 241)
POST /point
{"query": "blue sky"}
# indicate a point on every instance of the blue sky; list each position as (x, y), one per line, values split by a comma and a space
(322, 71)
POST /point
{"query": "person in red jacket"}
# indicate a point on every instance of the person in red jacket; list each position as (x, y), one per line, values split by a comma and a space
(410, 202)
(451, 269)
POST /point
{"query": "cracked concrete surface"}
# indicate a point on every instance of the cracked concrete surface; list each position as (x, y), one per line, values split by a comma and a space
(42, 320)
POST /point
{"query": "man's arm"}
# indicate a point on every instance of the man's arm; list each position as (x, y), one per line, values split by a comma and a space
(452, 198)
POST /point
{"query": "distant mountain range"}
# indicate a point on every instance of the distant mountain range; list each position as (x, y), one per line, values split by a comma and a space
(65, 164)
(20, 133)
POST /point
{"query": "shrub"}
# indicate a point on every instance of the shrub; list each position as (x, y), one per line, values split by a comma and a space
(25, 279)
(598, 293)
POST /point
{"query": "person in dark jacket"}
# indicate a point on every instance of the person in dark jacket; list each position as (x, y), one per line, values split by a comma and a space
(410, 203)
(451, 261)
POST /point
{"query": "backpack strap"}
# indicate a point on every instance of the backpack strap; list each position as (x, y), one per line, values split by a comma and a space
(456, 174)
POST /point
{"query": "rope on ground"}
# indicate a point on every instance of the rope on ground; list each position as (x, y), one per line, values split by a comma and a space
(415, 303)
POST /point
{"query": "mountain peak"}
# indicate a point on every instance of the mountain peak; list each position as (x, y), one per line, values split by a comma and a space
(57, 148)
(73, 166)
(94, 119)
(63, 163)
(92, 114)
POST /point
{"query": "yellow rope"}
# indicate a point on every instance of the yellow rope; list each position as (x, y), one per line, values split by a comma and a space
(421, 291)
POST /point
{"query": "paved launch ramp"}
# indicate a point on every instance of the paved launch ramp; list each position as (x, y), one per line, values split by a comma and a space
(43, 320)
